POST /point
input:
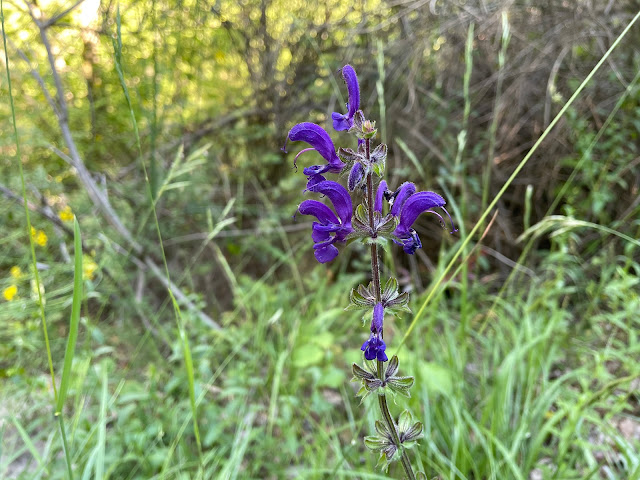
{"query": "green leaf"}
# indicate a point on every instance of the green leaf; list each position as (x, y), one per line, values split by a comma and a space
(378, 168)
(362, 214)
(360, 373)
(402, 382)
(390, 290)
(364, 393)
(383, 463)
(405, 420)
(375, 442)
(382, 429)
(358, 301)
(412, 434)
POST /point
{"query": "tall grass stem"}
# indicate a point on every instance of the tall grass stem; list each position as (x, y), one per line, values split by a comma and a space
(117, 44)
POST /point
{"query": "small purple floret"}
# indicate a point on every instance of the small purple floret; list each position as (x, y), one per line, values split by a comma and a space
(330, 228)
(321, 142)
(412, 207)
(382, 188)
(345, 121)
(374, 347)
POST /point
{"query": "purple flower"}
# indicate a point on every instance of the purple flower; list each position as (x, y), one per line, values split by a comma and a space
(382, 189)
(374, 348)
(412, 207)
(330, 228)
(320, 141)
(345, 121)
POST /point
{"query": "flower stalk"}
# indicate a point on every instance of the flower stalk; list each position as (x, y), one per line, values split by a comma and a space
(368, 224)
(375, 278)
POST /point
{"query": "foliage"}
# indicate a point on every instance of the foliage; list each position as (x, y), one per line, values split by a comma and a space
(526, 364)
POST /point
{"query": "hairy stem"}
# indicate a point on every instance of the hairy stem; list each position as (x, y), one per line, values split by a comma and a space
(375, 277)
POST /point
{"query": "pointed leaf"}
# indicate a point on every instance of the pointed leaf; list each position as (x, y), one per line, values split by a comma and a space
(383, 429)
(360, 373)
(412, 434)
(364, 393)
(383, 463)
(401, 382)
(373, 384)
(392, 367)
(362, 214)
(379, 153)
(390, 290)
(401, 300)
(378, 168)
(348, 155)
(375, 443)
(405, 421)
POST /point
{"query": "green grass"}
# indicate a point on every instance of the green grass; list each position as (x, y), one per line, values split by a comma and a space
(541, 388)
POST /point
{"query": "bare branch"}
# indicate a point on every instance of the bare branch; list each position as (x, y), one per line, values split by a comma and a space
(95, 193)
(38, 78)
(54, 19)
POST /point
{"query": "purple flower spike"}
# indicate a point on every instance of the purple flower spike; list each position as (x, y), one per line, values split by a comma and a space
(374, 348)
(320, 141)
(400, 197)
(415, 205)
(345, 121)
(382, 188)
(330, 228)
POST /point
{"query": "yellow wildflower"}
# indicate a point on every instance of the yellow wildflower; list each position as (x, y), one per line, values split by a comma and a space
(39, 237)
(66, 215)
(88, 267)
(15, 272)
(10, 292)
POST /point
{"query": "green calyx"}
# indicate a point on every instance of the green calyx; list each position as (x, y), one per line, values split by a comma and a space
(408, 432)
(370, 382)
(394, 302)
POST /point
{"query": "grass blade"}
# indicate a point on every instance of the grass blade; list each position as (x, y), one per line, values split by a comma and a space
(102, 423)
(117, 46)
(188, 364)
(75, 318)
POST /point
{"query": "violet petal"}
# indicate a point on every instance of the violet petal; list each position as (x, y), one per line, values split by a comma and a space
(402, 194)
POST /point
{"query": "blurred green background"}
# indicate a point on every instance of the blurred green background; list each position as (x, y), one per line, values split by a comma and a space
(526, 363)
